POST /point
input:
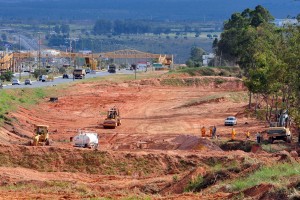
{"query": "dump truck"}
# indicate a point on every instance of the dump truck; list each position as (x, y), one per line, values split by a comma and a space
(279, 130)
(279, 133)
(111, 69)
(86, 140)
(79, 73)
(41, 137)
(112, 119)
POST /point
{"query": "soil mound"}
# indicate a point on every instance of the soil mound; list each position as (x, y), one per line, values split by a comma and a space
(188, 142)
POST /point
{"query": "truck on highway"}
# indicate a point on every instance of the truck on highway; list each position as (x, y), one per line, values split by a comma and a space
(79, 74)
(112, 69)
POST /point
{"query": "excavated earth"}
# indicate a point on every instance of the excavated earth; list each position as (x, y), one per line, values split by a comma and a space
(154, 154)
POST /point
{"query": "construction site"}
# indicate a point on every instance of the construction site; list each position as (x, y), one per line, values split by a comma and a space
(157, 151)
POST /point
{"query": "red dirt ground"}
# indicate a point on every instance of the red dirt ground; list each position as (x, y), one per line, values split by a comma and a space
(157, 120)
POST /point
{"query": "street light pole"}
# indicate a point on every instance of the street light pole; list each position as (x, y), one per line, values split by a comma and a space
(19, 57)
(39, 61)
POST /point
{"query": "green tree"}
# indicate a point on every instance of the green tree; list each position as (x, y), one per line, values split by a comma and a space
(196, 57)
(65, 29)
(103, 26)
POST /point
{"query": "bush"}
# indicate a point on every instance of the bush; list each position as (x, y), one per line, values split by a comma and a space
(7, 76)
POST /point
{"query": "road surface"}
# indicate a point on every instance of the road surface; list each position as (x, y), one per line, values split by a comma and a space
(60, 80)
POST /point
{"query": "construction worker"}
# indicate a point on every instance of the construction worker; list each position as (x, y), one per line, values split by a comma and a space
(214, 132)
(258, 137)
(247, 135)
(211, 131)
(233, 133)
(203, 131)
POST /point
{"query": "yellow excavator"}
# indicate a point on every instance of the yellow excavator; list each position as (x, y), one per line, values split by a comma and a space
(113, 118)
(41, 137)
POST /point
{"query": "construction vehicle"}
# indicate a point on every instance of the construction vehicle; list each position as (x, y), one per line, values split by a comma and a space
(79, 73)
(86, 140)
(41, 137)
(90, 63)
(279, 130)
(113, 118)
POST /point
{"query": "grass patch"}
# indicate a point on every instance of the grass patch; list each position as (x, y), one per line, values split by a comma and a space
(210, 71)
(26, 97)
(194, 184)
(235, 97)
(276, 174)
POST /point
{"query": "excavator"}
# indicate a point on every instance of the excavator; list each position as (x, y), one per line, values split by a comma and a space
(41, 137)
(112, 119)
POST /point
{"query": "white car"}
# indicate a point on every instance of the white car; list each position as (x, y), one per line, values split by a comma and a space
(15, 82)
(230, 121)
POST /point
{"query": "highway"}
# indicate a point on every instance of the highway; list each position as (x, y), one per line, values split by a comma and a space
(60, 80)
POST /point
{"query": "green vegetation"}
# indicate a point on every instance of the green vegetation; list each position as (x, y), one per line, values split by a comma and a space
(268, 56)
(194, 184)
(232, 96)
(278, 174)
(211, 71)
(10, 99)
(49, 187)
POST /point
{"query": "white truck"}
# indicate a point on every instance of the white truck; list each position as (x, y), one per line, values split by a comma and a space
(86, 140)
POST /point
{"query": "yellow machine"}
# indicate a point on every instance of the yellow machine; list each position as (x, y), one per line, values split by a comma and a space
(41, 135)
(91, 63)
(113, 118)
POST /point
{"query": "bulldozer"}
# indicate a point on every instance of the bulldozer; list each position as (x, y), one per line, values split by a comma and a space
(41, 137)
(112, 119)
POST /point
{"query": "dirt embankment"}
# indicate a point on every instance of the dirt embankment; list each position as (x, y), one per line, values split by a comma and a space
(157, 151)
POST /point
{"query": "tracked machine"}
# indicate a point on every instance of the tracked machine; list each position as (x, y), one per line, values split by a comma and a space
(112, 119)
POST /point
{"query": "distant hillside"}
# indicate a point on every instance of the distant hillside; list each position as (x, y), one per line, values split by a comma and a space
(140, 9)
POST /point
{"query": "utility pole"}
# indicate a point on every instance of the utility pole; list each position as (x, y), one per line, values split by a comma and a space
(70, 41)
(39, 61)
(20, 70)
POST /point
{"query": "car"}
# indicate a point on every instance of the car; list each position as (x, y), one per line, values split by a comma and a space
(230, 121)
(15, 82)
(65, 76)
(87, 70)
(40, 77)
(28, 82)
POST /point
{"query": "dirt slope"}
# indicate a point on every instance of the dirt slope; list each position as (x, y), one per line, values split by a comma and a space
(156, 151)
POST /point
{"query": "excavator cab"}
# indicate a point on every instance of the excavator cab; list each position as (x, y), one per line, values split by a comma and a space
(41, 135)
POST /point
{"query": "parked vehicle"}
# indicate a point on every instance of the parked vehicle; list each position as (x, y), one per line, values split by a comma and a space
(28, 82)
(86, 139)
(230, 121)
(15, 82)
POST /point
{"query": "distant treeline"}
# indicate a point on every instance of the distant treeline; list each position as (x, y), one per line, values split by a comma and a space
(118, 27)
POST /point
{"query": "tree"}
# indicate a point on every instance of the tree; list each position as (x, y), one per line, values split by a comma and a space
(57, 29)
(7, 76)
(103, 26)
(4, 37)
(65, 29)
(196, 57)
